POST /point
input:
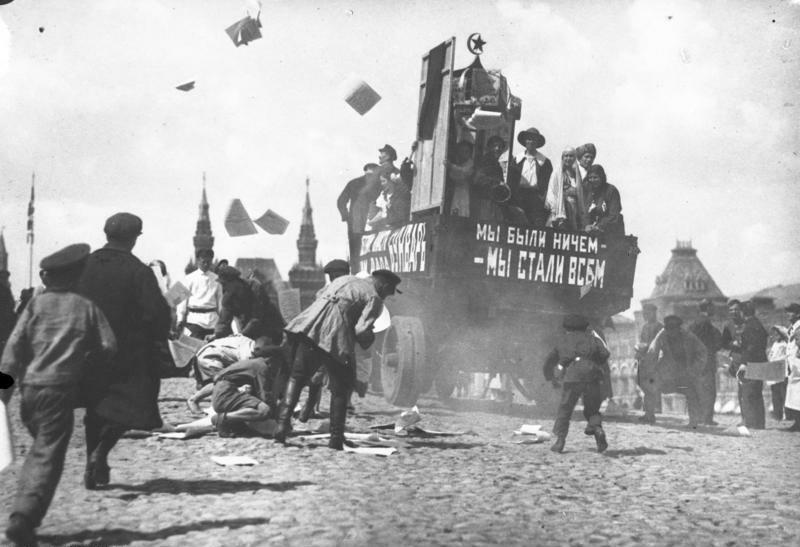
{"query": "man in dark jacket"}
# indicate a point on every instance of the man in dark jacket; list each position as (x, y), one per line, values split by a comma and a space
(237, 301)
(7, 316)
(705, 330)
(576, 362)
(127, 293)
(746, 338)
(530, 178)
(646, 374)
(354, 204)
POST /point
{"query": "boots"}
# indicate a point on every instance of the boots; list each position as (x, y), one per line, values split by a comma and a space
(314, 392)
(600, 439)
(293, 388)
(558, 446)
(338, 419)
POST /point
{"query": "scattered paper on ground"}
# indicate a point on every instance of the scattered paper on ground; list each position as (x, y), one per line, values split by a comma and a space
(371, 450)
(533, 434)
(407, 418)
(234, 460)
(186, 434)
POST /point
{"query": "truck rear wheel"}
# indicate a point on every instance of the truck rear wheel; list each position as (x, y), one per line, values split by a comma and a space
(402, 355)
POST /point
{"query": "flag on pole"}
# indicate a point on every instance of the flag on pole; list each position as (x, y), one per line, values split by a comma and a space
(29, 238)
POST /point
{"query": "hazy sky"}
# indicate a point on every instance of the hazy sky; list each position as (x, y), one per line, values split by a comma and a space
(692, 105)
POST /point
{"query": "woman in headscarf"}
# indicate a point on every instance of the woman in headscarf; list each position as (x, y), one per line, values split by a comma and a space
(565, 199)
(604, 206)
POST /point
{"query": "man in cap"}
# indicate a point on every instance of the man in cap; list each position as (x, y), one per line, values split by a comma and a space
(334, 269)
(326, 333)
(128, 293)
(704, 329)
(792, 401)
(354, 204)
(646, 374)
(746, 339)
(200, 312)
(386, 158)
(531, 177)
(576, 363)
(681, 359)
(56, 335)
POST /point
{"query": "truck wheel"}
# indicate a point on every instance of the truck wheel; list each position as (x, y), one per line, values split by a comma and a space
(402, 355)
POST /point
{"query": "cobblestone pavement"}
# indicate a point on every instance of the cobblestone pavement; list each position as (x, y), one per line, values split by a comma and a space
(662, 484)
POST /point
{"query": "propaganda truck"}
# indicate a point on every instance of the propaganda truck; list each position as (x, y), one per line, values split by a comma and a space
(480, 296)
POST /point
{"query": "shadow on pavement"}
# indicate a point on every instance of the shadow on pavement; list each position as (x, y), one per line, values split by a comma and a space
(202, 487)
(121, 536)
(442, 445)
(638, 451)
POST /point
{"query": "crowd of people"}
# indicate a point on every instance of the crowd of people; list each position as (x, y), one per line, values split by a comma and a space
(94, 337)
(483, 183)
(675, 359)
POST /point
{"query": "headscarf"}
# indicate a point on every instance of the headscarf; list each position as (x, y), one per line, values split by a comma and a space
(555, 194)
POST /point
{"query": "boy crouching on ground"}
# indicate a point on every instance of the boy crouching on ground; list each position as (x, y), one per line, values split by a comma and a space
(245, 395)
(576, 363)
(47, 354)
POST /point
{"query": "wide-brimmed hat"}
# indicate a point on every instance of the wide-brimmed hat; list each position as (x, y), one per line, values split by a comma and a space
(531, 133)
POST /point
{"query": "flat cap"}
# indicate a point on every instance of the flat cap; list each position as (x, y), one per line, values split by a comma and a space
(389, 149)
(337, 265)
(389, 276)
(705, 305)
(794, 307)
(575, 322)
(123, 226)
(71, 255)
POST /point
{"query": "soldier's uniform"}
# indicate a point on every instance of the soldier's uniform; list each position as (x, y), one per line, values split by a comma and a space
(747, 340)
(576, 362)
(47, 353)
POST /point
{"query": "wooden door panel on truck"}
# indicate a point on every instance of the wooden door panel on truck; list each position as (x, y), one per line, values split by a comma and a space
(433, 127)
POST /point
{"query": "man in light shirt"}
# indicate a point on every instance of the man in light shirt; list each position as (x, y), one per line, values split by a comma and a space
(200, 312)
(531, 178)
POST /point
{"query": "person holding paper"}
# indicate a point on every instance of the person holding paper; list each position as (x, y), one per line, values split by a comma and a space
(326, 333)
(47, 354)
(746, 339)
(200, 312)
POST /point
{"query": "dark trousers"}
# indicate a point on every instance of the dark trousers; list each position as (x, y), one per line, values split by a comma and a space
(778, 398)
(708, 394)
(592, 394)
(751, 403)
(47, 413)
(101, 436)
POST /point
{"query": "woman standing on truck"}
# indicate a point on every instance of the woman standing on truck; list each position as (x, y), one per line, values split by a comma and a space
(565, 195)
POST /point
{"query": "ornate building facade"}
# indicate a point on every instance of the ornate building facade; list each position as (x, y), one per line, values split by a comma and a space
(306, 275)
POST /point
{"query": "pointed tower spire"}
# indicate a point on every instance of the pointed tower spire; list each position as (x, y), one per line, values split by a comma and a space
(203, 237)
(307, 275)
